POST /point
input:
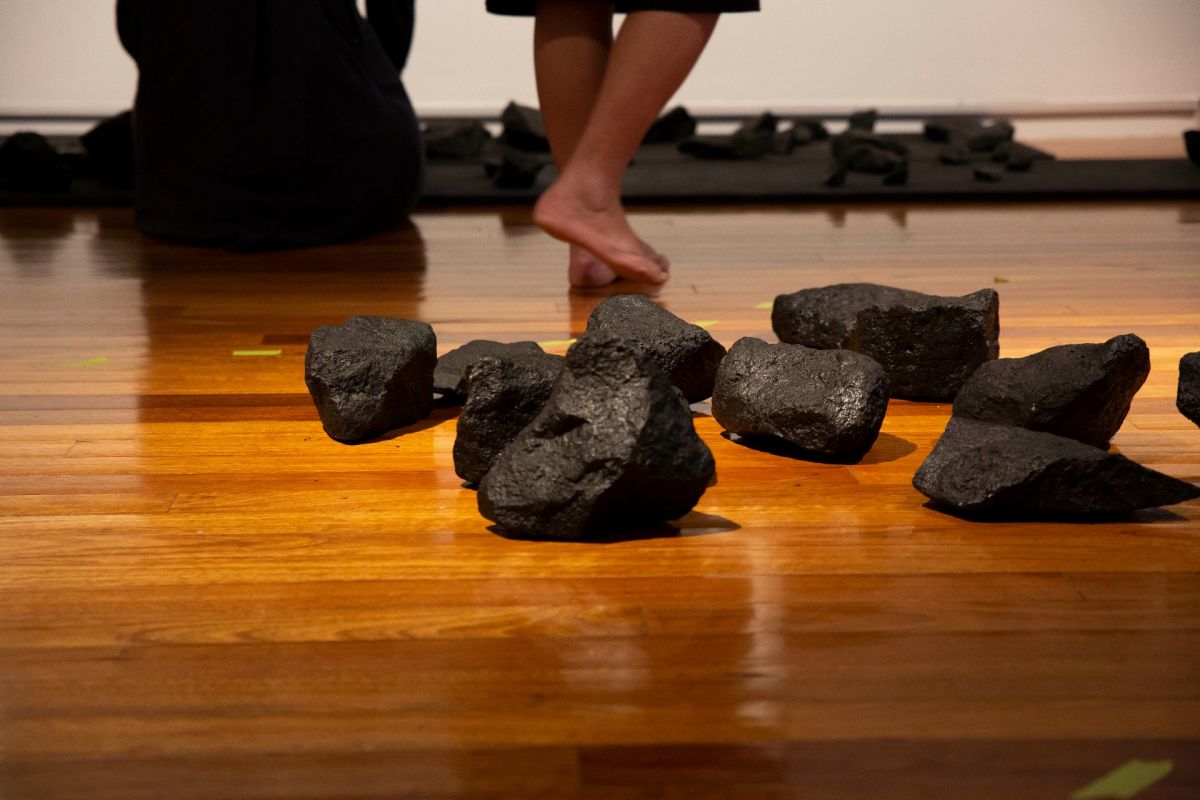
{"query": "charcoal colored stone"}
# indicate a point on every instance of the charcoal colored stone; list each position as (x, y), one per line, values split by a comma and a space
(948, 129)
(863, 120)
(1018, 157)
(674, 126)
(686, 353)
(1081, 391)
(784, 143)
(989, 173)
(1191, 140)
(928, 345)
(988, 137)
(614, 446)
(1187, 398)
(370, 375)
(109, 146)
(827, 402)
(450, 374)
(524, 128)
(854, 139)
(809, 129)
(873, 160)
(1001, 470)
(753, 139)
(954, 155)
(504, 394)
(29, 163)
(509, 168)
(456, 139)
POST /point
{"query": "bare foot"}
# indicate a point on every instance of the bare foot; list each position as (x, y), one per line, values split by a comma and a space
(586, 271)
(567, 212)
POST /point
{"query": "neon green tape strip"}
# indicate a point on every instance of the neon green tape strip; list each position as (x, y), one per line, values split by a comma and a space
(557, 343)
(707, 323)
(98, 361)
(1126, 781)
(765, 306)
(998, 279)
(257, 353)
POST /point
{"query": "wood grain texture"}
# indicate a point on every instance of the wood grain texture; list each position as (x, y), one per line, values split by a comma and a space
(202, 596)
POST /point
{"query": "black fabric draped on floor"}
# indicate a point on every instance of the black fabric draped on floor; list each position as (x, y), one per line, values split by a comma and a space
(271, 123)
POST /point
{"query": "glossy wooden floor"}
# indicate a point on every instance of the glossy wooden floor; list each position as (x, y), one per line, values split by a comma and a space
(201, 595)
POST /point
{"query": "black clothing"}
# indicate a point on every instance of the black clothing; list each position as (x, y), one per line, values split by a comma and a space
(526, 8)
(270, 123)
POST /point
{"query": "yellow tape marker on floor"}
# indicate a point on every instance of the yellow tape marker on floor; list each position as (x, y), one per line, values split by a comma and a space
(1126, 781)
(257, 353)
(765, 306)
(98, 361)
(557, 343)
(707, 323)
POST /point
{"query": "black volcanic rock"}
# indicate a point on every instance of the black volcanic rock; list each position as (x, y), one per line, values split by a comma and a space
(450, 375)
(1081, 391)
(370, 375)
(109, 146)
(753, 139)
(863, 120)
(524, 128)
(29, 163)
(509, 168)
(504, 394)
(1001, 470)
(459, 139)
(686, 353)
(1187, 399)
(928, 345)
(828, 402)
(614, 446)
(674, 126)
(988, 137)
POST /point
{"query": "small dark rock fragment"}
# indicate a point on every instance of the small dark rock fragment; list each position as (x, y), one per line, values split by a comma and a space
(686, 353)
(29, 163)
(524, 128)
(928, 345)
(947, 129)
(509, 168)
(450, 375)
(1187, 399)
(828, 402)
(614, 445)
(954, 155)
(1018, 157)
(988, 137)
(1191, 140)
(456, 140)
(809, 129)
(863, 120)
(1001, 470)
(504, 394)
(370, 375)
(989, 173)
(674, 126)
(754, 139)
(1081, 391)
(109, 146)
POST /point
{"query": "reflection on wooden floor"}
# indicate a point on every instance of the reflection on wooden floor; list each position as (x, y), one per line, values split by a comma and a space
(201, 595)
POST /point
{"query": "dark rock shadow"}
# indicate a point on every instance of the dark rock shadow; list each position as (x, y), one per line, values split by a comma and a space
(778, 447)
(437, 417)
(694, 523)
(1145, 515)
(888, 448)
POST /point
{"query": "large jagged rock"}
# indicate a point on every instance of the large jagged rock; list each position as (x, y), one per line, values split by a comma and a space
(1081, 391)
(686, 353)
(614, 446)
(450, 375)
(504, 394)
(987, 469)
(827, 402)
(928, 345)
(1187, 399)
(370, 375)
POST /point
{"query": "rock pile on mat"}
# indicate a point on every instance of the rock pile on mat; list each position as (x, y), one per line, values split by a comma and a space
(510, 168)
(928, 345)
(1187, 399)
(672, 127)
(1081, 391)
(457, 139)
(755, 138)
(504, 394)
(614, 445)
(860, 149)
(450, 374)
(686, 353)
(29, 163)
(370, 375)
(524, 128)
(827, 402)
(973, 140)
(1001, 470)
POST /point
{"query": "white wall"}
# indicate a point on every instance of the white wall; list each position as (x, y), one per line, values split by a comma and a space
(61, 56)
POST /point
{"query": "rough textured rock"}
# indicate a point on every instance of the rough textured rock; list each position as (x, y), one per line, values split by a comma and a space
(614, 446)
(1001, 470)
(1081, 391)
(828, 402)
(455, 139)
(524, 128)
(755, 138)
(863, 120)
(1187, 399)
(686, 353)
(370, 375)
(674, 126)
(504, 394)
(450, 375)
(928, 345)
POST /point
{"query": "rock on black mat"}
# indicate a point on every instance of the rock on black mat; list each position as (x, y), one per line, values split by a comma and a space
(661, 173)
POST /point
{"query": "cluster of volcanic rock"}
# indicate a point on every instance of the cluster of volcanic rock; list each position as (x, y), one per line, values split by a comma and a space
(569, 448)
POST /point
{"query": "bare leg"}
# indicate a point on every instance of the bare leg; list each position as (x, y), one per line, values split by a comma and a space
(651, 57)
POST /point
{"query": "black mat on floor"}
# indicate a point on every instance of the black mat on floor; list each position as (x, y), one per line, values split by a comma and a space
(661, 174)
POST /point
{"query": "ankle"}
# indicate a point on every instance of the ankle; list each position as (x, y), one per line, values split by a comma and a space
(595, 189)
